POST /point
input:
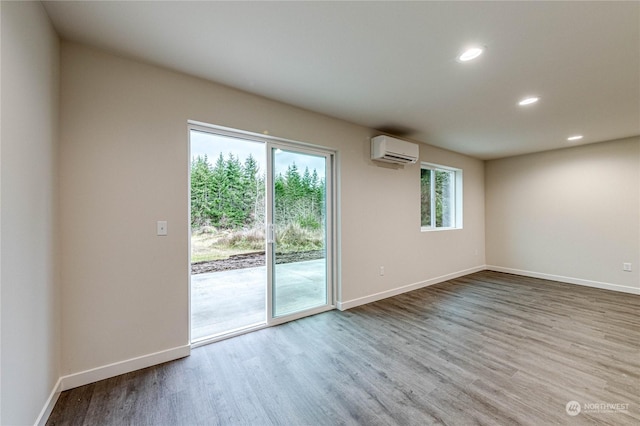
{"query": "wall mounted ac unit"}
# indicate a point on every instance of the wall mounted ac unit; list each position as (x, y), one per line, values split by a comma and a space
(391, 150)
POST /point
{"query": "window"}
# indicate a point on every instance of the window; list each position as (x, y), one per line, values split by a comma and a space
(440, 197)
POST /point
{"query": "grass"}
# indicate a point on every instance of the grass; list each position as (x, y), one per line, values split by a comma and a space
(294, 238)
(209, 243)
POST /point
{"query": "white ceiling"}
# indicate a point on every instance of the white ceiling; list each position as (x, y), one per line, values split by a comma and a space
(392, 65)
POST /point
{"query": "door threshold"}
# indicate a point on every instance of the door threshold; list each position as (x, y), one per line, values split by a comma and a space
(227, 335)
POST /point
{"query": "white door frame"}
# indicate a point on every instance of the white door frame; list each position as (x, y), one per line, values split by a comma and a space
(331, 217)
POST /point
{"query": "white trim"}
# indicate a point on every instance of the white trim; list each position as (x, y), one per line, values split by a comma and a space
(458, 196)
(269, 215)
(332, 221)
(337, 229)
(111, 370)
(252, 136)
(234, 333)
(329, 156)
(48, 406)
(568, 280)
(342, 306)
(188, 271)
(434, 166)
(300, 314)
(276, 321)
(430, 229)
(404, 289)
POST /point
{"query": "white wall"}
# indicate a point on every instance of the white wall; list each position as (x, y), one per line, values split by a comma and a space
(30, 299)
(571, 214)
(124, 166)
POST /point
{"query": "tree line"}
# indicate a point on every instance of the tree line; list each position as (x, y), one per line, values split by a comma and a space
(230, 194)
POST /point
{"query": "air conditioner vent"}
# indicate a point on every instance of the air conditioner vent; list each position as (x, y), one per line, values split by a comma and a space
(391, 150)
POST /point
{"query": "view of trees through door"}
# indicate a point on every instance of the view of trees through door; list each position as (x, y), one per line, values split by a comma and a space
(228, 232)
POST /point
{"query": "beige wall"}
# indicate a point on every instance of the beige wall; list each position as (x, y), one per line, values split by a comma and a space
(30, 341)
(571, 213)
(381, 225)
(124, 166)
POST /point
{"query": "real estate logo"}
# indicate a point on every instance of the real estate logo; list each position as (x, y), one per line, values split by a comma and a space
(573, 408)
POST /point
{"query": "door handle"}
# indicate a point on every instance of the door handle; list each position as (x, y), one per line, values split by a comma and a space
(271, 233)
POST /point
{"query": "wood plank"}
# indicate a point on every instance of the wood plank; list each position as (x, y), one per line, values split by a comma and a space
(487, 348)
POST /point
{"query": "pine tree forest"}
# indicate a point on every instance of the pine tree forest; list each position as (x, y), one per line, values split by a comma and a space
(229, 195)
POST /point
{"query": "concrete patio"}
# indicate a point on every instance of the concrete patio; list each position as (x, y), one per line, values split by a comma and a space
(229, 300)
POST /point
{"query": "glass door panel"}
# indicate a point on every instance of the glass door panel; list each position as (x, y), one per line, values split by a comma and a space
(227, 209)
(299, 231)
(240, 182)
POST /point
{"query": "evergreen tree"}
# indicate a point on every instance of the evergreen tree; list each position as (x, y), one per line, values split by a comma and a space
(218, 185)
(234, 210)
(231, 195)
(200, 191)
(253, 185)
(280, 199)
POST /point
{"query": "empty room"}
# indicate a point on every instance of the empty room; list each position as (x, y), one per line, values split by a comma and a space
(319, 213)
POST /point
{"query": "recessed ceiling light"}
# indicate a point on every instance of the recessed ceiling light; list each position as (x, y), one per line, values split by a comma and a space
(575, 138)
(528, 101)
(470, 54)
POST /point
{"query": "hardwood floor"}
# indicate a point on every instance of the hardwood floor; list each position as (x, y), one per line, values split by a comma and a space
(487, 348)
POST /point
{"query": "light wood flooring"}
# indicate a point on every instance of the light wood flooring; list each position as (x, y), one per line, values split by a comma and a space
(487, 348)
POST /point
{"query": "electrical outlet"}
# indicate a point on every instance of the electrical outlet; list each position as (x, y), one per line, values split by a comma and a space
(626, 267)
(381, 270)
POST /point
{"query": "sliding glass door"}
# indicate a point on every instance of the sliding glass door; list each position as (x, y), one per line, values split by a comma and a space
(262, 229)
(298, 224)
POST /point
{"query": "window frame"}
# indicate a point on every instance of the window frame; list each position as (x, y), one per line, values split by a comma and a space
(456, 197)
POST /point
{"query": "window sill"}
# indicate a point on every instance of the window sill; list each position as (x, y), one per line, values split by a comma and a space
(428, 229)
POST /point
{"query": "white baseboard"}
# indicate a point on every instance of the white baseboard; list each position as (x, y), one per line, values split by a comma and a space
(343, 306)
(399, 290)
(111, 370)
(100, 373)
(51, 402)
(568, 280)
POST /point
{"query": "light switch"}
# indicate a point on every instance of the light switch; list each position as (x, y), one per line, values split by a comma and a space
(162, 227)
